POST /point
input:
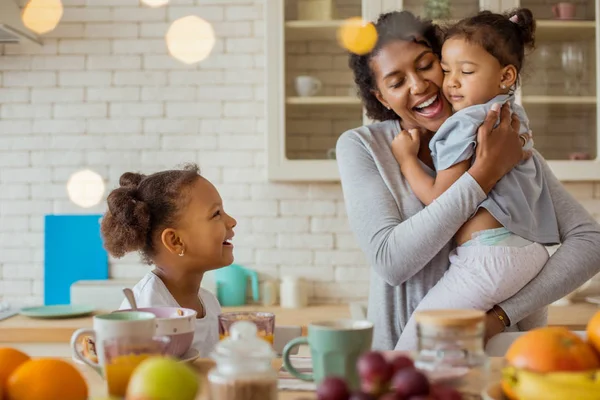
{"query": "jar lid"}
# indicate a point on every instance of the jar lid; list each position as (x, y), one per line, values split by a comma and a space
(450, 317)
(243, 343)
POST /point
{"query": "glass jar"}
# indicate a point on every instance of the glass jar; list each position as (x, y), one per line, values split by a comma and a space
(451, 348)
(244, 368)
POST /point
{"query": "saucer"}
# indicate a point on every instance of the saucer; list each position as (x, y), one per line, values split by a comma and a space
(57, 311)
(191, 355)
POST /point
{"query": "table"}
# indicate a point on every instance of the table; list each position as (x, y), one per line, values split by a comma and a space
(97, 385)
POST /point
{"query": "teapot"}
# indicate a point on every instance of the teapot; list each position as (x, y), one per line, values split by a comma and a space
(231, 283)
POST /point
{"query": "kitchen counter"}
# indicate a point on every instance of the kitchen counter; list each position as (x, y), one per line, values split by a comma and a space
(20, 329)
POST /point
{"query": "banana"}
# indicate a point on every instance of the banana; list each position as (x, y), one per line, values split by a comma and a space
(528, 385)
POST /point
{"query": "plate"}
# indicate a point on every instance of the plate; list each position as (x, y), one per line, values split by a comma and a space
(58, 311)
(190, 355)
(493, 392)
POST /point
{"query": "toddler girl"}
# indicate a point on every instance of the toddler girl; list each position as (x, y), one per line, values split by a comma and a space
(175, 219)
(500, 249)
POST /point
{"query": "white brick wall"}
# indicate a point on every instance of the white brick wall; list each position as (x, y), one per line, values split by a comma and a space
(104, 94)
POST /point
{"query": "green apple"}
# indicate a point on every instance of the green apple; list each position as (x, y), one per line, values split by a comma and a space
(162, 378)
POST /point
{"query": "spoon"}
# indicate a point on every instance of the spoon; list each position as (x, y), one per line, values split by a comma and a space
(129, 295)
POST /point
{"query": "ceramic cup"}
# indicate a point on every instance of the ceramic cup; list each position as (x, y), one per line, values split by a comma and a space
(335, 347)
(177, 323)
(564, 10)
(307, 85)
(132, 324)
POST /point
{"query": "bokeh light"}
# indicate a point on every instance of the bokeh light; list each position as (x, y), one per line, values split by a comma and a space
(85, 188)
(155, 3)
(357, 36)
(190, 39)
(42, 16)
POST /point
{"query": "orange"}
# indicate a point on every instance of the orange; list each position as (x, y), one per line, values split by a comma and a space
(357, 36)
(550, 349)
(10, 359)
(44, 379)
(593, 331)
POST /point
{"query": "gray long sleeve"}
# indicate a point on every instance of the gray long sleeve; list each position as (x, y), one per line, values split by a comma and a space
(575, 261)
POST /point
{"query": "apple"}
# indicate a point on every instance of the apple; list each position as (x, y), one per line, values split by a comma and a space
(162, 378)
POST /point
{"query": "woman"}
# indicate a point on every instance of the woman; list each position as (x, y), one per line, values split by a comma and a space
(408, 244)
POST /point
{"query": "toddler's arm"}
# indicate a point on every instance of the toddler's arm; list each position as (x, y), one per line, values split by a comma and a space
(426, 187)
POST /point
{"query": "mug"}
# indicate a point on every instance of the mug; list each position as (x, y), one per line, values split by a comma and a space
(564, 10)
(134, 324)
(335, 347)
(307, 85)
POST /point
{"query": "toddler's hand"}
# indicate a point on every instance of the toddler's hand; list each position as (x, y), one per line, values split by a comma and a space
(406, 145)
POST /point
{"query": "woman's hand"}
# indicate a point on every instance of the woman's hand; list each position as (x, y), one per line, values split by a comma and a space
(406, 145)
(499, 149)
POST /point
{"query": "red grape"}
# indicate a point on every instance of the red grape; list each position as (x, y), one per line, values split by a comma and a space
(333, 388)
(410, 382)
(374, 372)
(392, 396)
(445, 393)
(361, 396)
(401, 362)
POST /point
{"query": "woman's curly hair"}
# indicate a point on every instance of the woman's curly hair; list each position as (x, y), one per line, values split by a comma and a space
(391, 26)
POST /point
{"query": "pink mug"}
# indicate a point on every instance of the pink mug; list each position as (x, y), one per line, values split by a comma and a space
(564, 10)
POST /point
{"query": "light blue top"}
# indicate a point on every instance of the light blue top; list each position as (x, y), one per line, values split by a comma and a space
(520, 201)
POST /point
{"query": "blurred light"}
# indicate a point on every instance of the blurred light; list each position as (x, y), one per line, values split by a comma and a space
(357, 36)
(190, 39)
(85, 188)
(155, 3)
(42, 16)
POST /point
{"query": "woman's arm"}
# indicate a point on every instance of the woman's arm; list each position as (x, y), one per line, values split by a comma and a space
(575, 261)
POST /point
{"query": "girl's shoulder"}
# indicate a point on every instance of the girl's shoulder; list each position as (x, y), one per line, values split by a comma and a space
(150, 291)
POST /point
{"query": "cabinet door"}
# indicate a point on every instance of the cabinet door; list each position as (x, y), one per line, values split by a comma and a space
(559, 83)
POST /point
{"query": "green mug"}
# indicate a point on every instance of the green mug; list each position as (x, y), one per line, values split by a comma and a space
(335, 347)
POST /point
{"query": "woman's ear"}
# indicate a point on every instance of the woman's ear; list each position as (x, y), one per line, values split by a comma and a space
(379, 97)
(172, 241)
(509, 76)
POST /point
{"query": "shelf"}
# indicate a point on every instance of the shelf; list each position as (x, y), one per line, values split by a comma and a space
(323, 100)
(563, 30)
(312, 30)
(559, 100)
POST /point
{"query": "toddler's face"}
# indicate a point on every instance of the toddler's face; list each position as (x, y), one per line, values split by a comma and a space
(471, 74)
(205, 228)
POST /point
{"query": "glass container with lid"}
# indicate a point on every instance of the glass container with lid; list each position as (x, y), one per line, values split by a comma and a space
(244, 368)
(451, 346)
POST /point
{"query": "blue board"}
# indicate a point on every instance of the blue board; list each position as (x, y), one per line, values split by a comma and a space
(73, 251)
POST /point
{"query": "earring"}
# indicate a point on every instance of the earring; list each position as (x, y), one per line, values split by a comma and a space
(389, 108)
(182, 252)
(503, 86)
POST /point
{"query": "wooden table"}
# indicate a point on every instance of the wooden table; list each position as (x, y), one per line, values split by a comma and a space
(20, 329)
(97, 385)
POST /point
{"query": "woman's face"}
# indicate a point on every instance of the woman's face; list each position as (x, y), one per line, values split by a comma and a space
(408, 76)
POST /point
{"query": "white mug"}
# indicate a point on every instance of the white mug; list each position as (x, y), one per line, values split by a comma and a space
(128, 324)
(307, 85)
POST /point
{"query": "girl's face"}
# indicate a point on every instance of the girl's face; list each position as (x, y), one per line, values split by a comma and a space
(205, 228)
(471, 74)
(409, 80)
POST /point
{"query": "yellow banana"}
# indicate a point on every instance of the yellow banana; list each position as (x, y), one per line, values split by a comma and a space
(528, 385)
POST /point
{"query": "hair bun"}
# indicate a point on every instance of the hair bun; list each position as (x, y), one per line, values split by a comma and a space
(526, 24)
(131, 179)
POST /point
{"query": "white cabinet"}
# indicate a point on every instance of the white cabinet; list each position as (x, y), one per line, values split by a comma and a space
(558, 91)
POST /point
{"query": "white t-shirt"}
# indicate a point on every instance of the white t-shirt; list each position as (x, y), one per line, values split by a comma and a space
(150, 291)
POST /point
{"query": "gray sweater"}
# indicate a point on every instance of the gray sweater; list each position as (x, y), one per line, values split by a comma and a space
(407, 244)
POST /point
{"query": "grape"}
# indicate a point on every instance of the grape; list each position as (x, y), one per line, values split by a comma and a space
(333, 388)
(410, 382)
(401, 362)
(445, 393)
(374, 372)
(392, 396)
(361, 396)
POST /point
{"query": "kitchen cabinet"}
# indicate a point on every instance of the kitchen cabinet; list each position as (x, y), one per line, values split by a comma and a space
(311, 97)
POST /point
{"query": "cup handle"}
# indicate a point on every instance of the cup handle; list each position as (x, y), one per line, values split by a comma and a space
(77, 354)
(555, 11)
(317, 86)
(286, 359)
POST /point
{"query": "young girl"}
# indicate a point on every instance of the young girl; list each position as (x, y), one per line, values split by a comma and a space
(175, 219)
(501, 248)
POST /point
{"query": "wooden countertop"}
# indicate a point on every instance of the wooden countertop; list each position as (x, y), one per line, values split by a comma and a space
(20, 329)
(97, 386)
